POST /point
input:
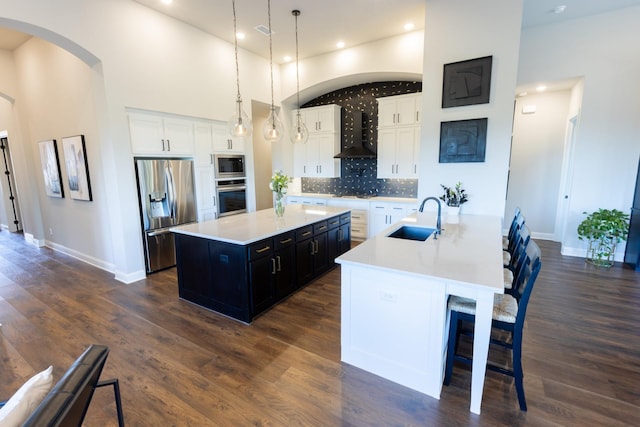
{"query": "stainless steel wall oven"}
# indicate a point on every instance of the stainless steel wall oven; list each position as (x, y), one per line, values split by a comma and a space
(232, 196)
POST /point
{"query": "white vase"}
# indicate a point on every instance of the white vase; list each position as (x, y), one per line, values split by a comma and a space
(453, 214)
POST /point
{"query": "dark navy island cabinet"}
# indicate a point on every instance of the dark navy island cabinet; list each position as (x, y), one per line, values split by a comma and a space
(242, 281)
(632, 253)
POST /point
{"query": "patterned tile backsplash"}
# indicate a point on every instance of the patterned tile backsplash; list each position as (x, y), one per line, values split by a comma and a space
(358, 176)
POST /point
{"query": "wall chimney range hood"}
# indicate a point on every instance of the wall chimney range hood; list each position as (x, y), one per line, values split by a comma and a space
(357, 150)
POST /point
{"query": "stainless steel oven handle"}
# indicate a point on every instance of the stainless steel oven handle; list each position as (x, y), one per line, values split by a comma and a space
(231, 188)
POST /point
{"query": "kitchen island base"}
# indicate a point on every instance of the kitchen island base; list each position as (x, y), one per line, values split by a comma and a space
(241, 266)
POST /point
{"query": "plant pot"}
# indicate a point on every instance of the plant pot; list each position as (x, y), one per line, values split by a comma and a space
(453, 214)
(601, 252)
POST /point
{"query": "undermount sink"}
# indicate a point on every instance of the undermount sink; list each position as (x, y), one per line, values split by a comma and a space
(409, 232)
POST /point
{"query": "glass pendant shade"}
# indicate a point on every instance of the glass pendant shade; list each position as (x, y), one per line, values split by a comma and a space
(240, 123)
(299, 132)
(272, 129)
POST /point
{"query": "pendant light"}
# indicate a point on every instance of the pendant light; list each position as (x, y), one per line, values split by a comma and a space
(272, 128)
(239, 124)
(299, 132)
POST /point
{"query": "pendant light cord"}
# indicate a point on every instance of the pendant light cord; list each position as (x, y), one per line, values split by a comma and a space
(270, 52)
(235, 38)
(296, 13)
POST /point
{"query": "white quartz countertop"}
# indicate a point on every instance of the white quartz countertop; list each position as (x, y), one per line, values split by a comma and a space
(250, 227)
(468, 252)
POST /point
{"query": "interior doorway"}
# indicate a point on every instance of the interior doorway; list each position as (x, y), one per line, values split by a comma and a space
(537, 161)
(10, 214)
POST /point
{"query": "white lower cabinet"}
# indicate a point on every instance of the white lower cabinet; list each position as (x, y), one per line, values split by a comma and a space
(303, 200)
(384, 214)
(359, 215)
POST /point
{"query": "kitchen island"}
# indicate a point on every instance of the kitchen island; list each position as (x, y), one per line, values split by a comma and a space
(241, 265)
(394, 299)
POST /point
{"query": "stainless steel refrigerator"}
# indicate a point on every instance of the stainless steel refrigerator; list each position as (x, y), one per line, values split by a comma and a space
(167, 198)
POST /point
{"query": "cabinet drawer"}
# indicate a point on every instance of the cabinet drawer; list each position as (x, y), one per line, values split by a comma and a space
(284, 240)
(304, 233)
(260, 249)
(334, 222)
(320, 227)
(345, 218)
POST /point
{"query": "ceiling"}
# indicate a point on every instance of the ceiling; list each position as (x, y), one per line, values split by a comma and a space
(322, 23)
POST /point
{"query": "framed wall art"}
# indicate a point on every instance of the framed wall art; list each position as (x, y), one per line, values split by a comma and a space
(463, 141)
(51, 168)
(75, 159)
(466, 82)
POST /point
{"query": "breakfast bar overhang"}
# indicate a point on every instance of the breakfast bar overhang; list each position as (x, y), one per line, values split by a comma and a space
(394, 299)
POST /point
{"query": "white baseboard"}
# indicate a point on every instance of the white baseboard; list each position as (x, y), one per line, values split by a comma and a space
(582, 253)
(128, 278)
(125, 278)
(106, 266)
(28, 237)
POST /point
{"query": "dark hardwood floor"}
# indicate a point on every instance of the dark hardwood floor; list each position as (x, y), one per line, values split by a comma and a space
(180, 365)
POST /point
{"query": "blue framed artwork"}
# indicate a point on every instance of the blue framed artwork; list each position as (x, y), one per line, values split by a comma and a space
(463, 141)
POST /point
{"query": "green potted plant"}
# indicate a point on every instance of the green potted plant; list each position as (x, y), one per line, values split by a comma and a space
(454, 197)
(603, 229)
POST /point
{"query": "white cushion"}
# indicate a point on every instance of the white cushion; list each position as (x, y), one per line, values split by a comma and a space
(506, 258)
(505, 307)
(22, 404)
(505, 243)
(508, 278)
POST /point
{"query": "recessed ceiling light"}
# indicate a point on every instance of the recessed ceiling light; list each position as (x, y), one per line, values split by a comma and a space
(409, 26)
(287, 58)
(241, 36)
(340, 45)
(523, 94)
(167, 1)
(559, 9)
(541, 88)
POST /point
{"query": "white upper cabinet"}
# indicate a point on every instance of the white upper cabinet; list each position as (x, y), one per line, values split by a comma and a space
(314, 159)
(399, 136)
(159, 135)
(224, 143)
(399, 110)
(325, 118)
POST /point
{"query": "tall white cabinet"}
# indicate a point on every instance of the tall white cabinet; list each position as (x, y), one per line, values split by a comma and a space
(314, 159)
(399, 120)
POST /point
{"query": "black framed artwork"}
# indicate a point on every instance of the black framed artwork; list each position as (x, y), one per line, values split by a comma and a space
(463, 141)
(51, 168)
(75, 158)
(466, 82)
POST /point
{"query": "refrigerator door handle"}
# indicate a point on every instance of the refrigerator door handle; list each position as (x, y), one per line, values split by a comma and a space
(171, 191)
(158, 232)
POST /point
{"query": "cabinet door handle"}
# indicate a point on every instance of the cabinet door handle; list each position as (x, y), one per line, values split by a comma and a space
(168, 145)
(162, 144)
(273, 266)
(214, 200)
(266, 248)
(306, 233)
(340, 235)
(279, 263)
(417, 116)
(211, 158)
(322, 227)
(317, 246)
(313, 247)
(286, 241)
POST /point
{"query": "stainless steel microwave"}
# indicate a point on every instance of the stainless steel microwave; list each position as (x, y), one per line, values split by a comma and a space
(229, 166)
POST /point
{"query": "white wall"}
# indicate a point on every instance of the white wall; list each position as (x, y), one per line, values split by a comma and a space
(602, 49)
(536, 160)
(139, 58)
(56, 93)
(457, 30)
